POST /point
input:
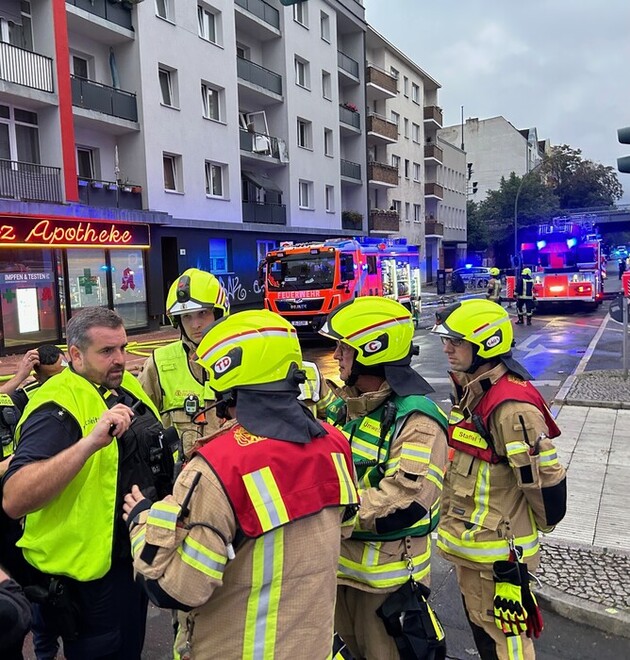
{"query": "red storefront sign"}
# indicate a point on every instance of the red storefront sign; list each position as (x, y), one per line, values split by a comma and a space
(33, 231)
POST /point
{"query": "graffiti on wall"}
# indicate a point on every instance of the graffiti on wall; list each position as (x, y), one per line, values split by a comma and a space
(237, 292)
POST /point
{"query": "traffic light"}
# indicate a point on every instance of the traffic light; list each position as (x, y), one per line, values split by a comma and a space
(623, 163)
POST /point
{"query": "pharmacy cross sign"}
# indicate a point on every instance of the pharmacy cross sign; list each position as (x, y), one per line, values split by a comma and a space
(87, 281)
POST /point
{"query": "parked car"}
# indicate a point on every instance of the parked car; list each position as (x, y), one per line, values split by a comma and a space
(472, 277)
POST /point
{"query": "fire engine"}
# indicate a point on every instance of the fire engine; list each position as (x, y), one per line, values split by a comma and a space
(304, 282)
(566, 263)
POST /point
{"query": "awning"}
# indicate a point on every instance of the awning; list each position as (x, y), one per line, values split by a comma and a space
(261, 180)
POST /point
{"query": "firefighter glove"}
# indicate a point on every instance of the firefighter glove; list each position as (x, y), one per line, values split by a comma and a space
(535, 623)
(510, 615)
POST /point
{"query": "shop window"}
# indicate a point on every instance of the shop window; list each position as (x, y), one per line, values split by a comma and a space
(262, 247)
(129, 287)
(218, 255)
(87, 278)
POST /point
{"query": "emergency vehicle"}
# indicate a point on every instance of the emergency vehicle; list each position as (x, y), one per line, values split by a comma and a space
(304, 282)
(566, 263)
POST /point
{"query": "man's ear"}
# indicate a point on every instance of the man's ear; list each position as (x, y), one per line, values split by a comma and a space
(75, 355)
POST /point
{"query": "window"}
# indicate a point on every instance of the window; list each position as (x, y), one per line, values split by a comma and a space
(406, 124)
(417, 212)
(396, 206)
(300, 13)
(406, 168)
(406, 86)
(80, 67)
(395, 161)
(242, 51)
(163, 9)
(85, 163)
(304, 134)
(211, 99)
(19, 135)
(326, 85)
(415, 133)
(262, 247)
(407, 210)
(330, 199)
(218, 248)
(328, 142)
(394, 72)
(172, 172)
(416, 172)
(415, 93)
(395, 117)
(215, 184)
(302, 73)
(305, 194)
(18, 33)
(324, 24)
(207, 24)
(168, 86)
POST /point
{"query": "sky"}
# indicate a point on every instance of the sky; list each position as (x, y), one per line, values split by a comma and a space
(561, 66)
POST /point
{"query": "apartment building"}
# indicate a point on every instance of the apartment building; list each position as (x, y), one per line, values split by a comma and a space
(495, 148)
(141, 138)
(452, 223)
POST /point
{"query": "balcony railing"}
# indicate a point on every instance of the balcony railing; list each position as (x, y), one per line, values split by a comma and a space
(384, 221)
(380, 78)
(26, 68)
(116, 12)
(433, 113)
(383, 173)
(433, 152)
(347, 64)
(352, 220)
(349, 117)
(102, 98)
(268, 214)
(109, 194)
(261, 10)
(350, 170)
(258, 75)
(433, 228)
(30, 182)
(383, 127)
(257, 143)
(433, 190)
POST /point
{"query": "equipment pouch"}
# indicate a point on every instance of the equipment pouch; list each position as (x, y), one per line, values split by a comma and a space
(415, 627)
(60, 607)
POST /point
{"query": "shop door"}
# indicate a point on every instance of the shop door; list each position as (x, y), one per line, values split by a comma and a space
(87, 279)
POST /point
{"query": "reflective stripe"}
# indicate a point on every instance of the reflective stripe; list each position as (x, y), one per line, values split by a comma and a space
(516, 448)
(481, 498)
(347, 492)
(265, 495)
(413, 452)
(261, 619)
(137, 541)
(549, 457)
(163, 514)
(484, 552)
(203, 559)
(435, 476)
(514, 645)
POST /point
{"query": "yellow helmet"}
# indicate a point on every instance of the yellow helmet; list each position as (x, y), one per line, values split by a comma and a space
(379, 329)
(252, 349)
(193, 290)
(526, 271)
(494, 272)
(483, 323)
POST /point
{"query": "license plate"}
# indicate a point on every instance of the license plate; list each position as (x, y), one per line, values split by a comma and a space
(299, 323)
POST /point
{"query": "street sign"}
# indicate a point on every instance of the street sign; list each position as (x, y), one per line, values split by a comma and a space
(616, 308)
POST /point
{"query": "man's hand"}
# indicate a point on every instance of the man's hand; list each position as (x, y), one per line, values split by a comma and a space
(131, 499)
(113, 422)
(29, 361)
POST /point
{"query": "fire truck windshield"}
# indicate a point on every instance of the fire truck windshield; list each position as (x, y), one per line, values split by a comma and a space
(301, 272)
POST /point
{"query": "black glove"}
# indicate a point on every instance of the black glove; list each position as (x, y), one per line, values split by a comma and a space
(535, 622)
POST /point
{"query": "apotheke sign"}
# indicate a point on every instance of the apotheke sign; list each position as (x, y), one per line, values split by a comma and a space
(51, 232)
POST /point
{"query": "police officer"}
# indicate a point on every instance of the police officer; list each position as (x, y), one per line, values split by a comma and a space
(178, 387)
(494, 286)
(77, 454)
(251, 534)
(524, 294)
(504, 483)
(399, 450)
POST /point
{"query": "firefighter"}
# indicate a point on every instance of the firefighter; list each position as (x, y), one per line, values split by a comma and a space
(178, 387)
(494, 286)
(524, 294)
(399, 449)
(251, 534)
(504, 482)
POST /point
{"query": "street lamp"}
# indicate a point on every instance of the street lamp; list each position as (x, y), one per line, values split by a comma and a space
(518, 192)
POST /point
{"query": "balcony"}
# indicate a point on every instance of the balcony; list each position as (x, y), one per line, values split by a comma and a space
(109, 194)
(114, 12)
(348, 68)
(434, 190)
(91, 95)
(383, 222)
(350, 121)
(26, 68)
(350, 171)
(380, 84)
(433, 154)
(266, 214)
(259, 147)
(30, 182)
(352, 221)
(381, 130)
(433, 229)
(433, 116)
(381, 175)
(258, 19)
(263, 87)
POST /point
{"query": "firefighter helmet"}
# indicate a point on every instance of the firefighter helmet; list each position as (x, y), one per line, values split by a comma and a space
(526, 271)
(194, 290)
(255, 349)
(379, 329)
(483, 323)
(494, 272)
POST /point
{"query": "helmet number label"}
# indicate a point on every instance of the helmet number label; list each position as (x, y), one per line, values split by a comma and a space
(222, 365)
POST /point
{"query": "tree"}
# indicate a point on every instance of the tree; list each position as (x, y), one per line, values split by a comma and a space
(477, 232)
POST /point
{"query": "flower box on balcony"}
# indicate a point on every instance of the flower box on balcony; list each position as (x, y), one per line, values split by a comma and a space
(136, 189)
(97, 184)
(126, 188)
(351, 106)
(112, 186)
(83, 183)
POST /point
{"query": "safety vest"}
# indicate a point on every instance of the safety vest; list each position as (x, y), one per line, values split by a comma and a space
(525, 287)
(73, 534)
(473, 438)
(7, 442)
(271, 483)
(176, 379)
(371, 454)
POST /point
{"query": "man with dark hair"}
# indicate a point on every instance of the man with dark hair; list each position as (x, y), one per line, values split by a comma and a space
(77, 455)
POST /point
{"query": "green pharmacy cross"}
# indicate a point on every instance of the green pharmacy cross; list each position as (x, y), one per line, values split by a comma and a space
(9, 295)
(87, 281)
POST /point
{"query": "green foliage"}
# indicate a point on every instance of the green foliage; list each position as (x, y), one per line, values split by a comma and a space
(478, 238)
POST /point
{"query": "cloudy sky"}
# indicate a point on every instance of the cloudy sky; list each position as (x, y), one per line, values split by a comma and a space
(562, 66)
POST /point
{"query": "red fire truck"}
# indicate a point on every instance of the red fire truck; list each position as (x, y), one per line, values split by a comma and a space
(566, 263)
(304, 282)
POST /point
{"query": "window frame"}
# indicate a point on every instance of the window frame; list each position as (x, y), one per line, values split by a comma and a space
(168, 10)
(324, 26)
(206, 89)
(300, 14)
(415, 133)
(211, 166)
(203, 11)
(329, 137)
(326, 78)
(304, 184)
(302, 65)
(172, 86)
(304, 133)
(415, 93)
(90, 152)
(329, 198)
(223, 245)
(175, 160)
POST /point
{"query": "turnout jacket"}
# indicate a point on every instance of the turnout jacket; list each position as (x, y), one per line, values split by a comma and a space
(256, 572)
(488, 503)
(404, 497)
(168, 377)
